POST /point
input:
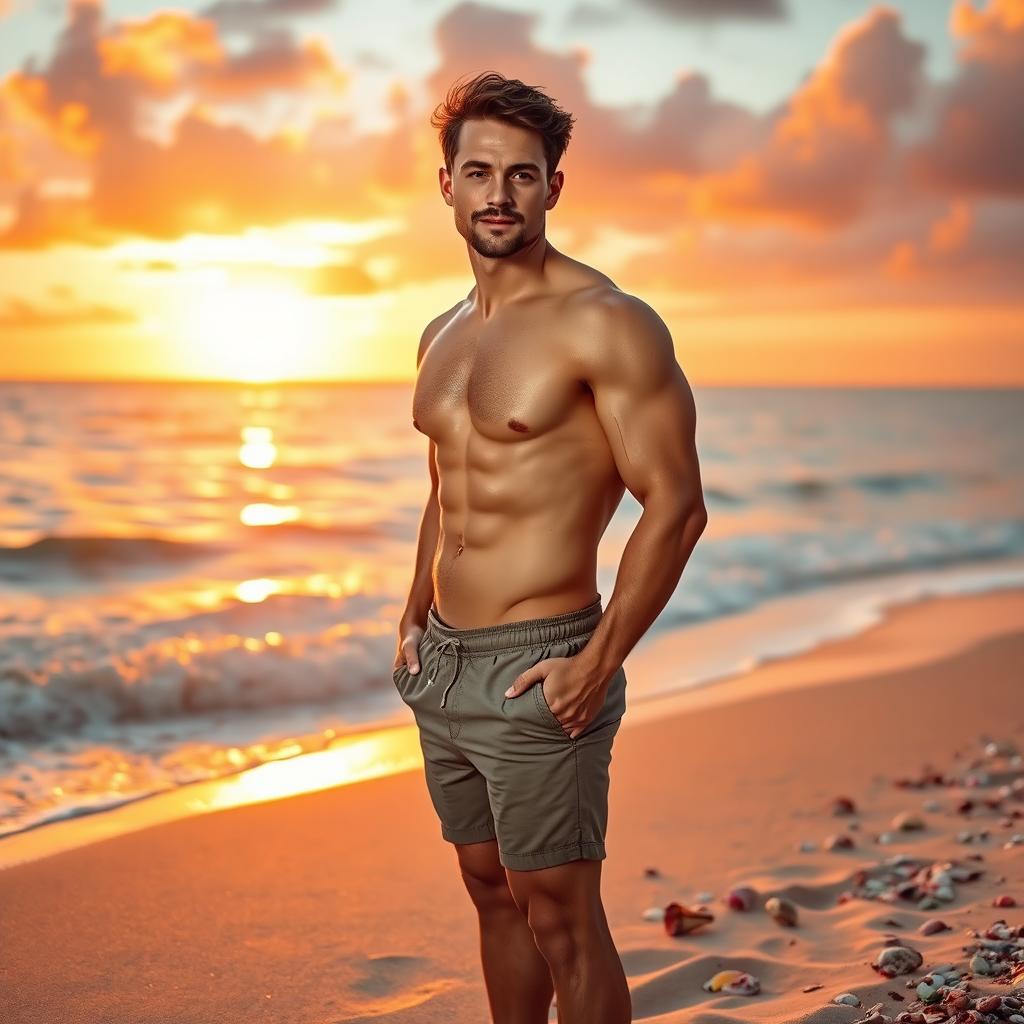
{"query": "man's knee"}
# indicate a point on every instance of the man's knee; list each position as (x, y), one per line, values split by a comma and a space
(484, 876)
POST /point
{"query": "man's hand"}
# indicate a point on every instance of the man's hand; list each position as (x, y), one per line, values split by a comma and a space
(573, 695)
(409, 649)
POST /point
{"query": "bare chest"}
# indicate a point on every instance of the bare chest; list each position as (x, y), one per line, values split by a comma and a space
(508, 386)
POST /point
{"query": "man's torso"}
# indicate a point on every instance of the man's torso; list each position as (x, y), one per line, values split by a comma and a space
(526, 479)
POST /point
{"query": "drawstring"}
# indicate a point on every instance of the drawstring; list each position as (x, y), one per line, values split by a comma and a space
(454, 644)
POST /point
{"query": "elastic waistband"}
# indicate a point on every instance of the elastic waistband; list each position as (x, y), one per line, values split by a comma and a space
(522, 633)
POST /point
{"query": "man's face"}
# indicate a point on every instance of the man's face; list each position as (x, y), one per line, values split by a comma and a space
(499, 172)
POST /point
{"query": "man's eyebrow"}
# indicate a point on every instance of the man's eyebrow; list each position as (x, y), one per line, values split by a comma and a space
(485, 166)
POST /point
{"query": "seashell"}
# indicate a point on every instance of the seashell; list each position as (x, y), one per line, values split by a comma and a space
(894, 960)
(839, 841)
(907, 821)
(847, 998)
(680, 920)
(743, 897)
(735, 983)
(783, 911)
(933, 925)
(843, 805)
(1005, 900)
(654, 914)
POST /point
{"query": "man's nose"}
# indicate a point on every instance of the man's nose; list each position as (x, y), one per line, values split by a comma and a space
(497, 194)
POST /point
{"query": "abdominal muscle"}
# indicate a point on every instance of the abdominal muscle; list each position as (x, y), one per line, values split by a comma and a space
(524, 543)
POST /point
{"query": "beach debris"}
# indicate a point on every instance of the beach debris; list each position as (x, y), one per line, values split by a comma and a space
(903, 877)
(654, 914)
(704, 896)
(743, 897)
(843, 805)
(928, 777)
(1000, 748)
(894, 960)
(972, 837)
(652, 873)
(839, 841)
(886, 837)
(907, 821)
(1015, 840)
(811, 988)
(783, 911)
(873, 1015)
(1005, 900)
(807, 846)
(847, 998)
(933, 925)
(681, 920)
(932, 806)
(734, 983)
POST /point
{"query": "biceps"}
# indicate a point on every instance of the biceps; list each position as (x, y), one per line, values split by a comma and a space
(651, 434)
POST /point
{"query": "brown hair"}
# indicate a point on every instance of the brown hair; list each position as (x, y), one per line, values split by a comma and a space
(491, 94)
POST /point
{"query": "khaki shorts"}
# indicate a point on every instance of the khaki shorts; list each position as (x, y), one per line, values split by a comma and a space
(502, 767)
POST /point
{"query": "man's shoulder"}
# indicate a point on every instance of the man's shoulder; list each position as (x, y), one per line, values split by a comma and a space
(434, 328)
(617, 333)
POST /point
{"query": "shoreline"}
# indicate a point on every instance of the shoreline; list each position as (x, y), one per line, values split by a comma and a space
(363, 754)
(344, 904)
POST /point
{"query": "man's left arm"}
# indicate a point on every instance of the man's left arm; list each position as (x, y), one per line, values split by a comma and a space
(646, 409)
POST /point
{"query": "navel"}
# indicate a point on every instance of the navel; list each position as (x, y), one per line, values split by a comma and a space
(521, 427)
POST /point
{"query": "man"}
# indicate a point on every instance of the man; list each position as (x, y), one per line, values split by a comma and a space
(543, 394)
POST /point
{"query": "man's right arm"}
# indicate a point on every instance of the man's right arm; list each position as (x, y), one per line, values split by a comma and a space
(421, 593)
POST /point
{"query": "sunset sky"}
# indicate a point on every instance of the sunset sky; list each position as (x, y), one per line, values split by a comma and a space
(807, 191)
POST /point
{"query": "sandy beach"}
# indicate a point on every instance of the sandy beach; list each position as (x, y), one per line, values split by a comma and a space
(346, 905)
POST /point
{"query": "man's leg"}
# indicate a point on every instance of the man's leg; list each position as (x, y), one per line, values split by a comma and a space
(517, 977)
(566, 918)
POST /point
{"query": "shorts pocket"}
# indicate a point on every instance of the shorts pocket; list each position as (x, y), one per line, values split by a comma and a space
(545, 710)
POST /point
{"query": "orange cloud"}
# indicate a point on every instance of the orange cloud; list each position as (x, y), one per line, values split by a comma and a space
(829, 146)
(977, 147)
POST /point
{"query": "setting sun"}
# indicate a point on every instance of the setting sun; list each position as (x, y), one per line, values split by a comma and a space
(253, 334)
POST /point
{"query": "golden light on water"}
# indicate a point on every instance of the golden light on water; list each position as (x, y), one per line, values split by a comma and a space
(258, 450)
(367, 756)
(260, 513)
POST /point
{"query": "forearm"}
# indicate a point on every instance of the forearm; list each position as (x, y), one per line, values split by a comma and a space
(421, 593)
(652, 562)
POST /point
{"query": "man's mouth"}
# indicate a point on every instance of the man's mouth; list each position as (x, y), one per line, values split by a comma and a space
(498, 220)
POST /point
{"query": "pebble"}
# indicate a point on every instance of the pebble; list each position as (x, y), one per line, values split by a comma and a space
(933, 925)
(783, 911)
(1005, 900)
(743, 897)
(894, 960)
(848, 998)
(839, 841)
(907, 821)
(843, 805)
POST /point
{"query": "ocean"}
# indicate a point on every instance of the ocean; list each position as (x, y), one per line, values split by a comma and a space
(198, 578)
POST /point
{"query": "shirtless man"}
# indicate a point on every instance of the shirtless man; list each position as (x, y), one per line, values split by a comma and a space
(543, 394)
